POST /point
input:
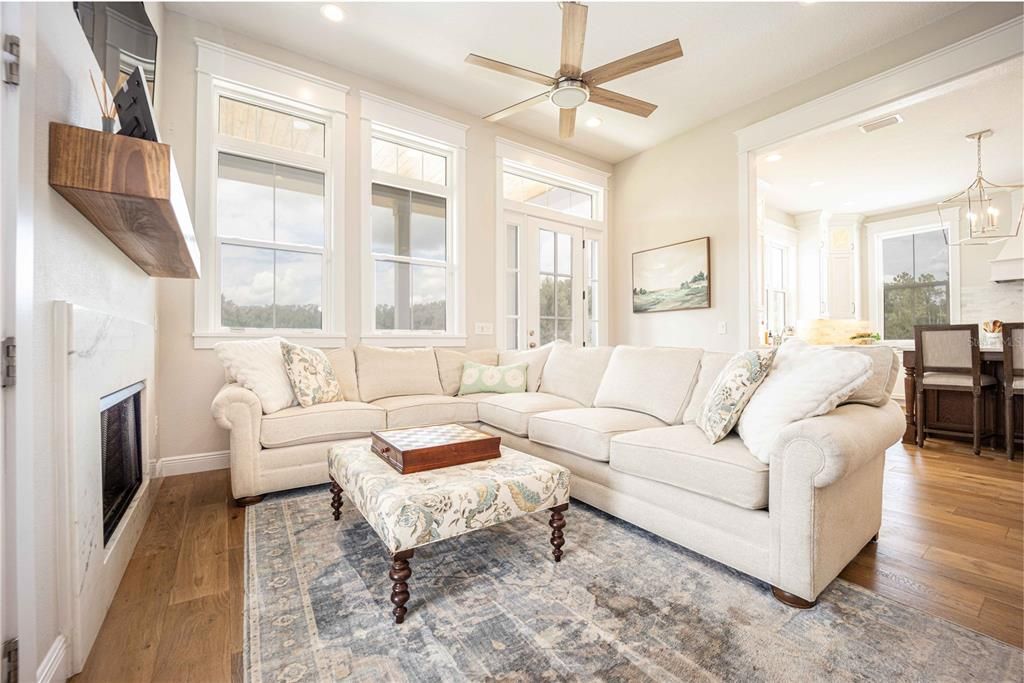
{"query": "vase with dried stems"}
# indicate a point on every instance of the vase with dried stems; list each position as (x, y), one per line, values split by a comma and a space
(108, 110)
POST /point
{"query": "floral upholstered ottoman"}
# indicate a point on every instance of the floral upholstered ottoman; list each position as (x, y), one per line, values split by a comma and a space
(411, 510)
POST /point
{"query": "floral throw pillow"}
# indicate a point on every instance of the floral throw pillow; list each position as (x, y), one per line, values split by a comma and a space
(731, 391)
(496, 379)
(312, 377)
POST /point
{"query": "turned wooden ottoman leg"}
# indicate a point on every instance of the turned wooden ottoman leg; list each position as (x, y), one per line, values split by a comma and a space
(336, 499)
(557, 523)
(400, 574)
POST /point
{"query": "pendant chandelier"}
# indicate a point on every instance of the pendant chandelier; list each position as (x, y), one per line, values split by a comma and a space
(985, 223)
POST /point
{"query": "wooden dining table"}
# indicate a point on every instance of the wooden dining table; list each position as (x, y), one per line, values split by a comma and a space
(952, 410)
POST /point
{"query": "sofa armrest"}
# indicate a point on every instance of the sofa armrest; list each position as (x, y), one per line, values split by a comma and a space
(238, 409)
(842, 440)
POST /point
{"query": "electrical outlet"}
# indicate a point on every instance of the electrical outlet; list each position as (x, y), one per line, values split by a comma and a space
(483, 328)
(723, 327)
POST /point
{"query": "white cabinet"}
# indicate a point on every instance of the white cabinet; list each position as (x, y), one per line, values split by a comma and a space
(830, 264)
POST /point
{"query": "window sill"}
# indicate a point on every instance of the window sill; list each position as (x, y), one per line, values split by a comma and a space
(413, 340)
(206, 340)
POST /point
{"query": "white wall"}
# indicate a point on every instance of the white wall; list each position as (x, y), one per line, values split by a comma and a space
(189, 378)
(687, 187)
(73, 261)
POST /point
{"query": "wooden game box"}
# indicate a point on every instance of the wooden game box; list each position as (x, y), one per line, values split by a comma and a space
(429, 448)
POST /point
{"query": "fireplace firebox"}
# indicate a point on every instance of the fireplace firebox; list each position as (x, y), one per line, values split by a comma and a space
(121, 452)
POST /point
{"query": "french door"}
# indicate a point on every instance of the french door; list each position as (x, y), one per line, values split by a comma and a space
(545, 282)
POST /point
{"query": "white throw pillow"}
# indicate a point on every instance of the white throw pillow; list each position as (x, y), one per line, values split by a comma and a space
(258, 365)
(804, 381)
(535, 358)
(652, 380)
(575, 372)
(384, 372)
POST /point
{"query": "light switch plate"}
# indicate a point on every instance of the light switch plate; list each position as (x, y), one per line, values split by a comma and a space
(483, 328)
(723, 327)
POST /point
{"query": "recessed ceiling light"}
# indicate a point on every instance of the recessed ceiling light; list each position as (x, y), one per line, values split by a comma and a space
(593, 122)
(332, 13)
(772, 158)
(817, 183)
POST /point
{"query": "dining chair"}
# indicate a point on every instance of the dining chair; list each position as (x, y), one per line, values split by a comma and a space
(949, 359)
(1013, 378)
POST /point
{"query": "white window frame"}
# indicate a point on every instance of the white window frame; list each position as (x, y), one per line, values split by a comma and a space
(225, 72)
(878, 231)
(395, 122)
(783, 237)
(539, 165)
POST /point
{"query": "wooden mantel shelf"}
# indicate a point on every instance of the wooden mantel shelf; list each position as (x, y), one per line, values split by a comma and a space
(130, 190)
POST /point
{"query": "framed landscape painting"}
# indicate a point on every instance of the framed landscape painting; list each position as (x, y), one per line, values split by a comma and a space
(676, 277)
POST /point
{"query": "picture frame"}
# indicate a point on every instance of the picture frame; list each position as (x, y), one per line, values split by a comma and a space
(674, 277)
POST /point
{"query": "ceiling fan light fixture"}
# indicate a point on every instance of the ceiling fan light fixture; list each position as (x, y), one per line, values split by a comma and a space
(569, 93)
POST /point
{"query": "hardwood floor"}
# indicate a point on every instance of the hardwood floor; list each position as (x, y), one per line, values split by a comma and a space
(950, 545)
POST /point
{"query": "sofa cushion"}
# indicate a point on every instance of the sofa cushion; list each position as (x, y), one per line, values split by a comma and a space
(711, 365)
(396, 372)
(426, 409)
(575, 372)
(449, 365)
(682, 456)
(258, 365)
(884, 371)
(343, 361)
(322, 422)
(587, 431)
(656, 381)
(535, 358)
(512, 412)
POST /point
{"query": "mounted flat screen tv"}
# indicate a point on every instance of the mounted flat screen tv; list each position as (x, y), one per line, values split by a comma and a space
(122, 38)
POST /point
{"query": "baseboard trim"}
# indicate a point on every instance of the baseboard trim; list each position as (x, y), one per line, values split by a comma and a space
(54, 666)
(194, 462)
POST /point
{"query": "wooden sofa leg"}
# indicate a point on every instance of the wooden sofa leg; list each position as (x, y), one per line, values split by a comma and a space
(790, 600)
(247, 501)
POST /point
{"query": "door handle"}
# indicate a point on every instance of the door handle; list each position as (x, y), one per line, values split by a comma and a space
(532, 345)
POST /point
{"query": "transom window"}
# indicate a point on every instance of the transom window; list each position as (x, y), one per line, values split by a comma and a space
(411, 229)
(535, 192)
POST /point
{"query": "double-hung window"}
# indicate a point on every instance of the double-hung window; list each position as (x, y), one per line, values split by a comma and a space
(915, 282)
(413, 217)
(268, 192)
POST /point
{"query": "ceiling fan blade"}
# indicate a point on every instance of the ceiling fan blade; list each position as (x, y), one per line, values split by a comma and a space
(509, 69)
(630, 105)
(516, 108)
(574, 27)
(639, 61)
(566, 123)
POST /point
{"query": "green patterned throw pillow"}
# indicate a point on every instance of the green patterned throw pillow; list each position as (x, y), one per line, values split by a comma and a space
(312, 377)
(729, 395)
(494, 379)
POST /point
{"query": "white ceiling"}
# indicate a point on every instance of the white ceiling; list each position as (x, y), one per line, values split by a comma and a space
(735, 53)
(923, 159)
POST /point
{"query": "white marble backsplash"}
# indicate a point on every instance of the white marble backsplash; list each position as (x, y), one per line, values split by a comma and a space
(992, 301)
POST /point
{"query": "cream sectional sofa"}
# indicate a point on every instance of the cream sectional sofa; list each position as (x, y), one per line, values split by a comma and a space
(622, 420)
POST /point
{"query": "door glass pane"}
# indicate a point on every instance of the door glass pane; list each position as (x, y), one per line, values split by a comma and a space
(245, 198)
(563, 297)
(564, 329)
(268, 127)
(512, 245)
(247, 287)
(428, 298)
(547, 251)
(564, 253)
(546, 301)
(299, 206)
(298, 285)
(512, 333)
(547, 330)
(512, 293)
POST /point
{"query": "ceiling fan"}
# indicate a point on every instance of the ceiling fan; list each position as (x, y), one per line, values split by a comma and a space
(573, 87)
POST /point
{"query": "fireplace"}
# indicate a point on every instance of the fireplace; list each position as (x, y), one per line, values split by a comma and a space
(121, 453)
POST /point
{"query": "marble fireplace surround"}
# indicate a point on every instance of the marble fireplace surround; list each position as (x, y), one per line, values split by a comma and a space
(96, 354)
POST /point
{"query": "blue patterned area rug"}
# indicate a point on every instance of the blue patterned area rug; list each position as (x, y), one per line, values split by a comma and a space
(623, 605)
